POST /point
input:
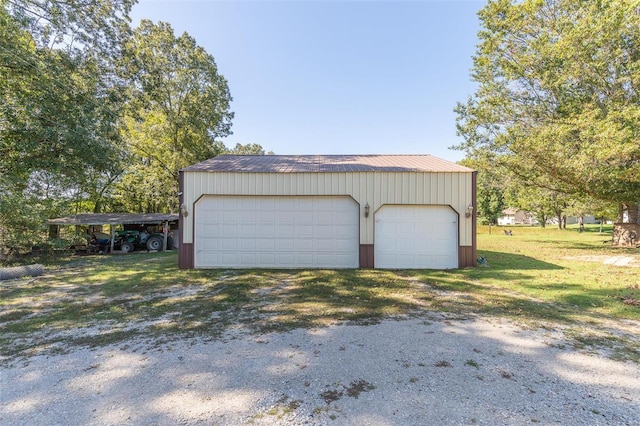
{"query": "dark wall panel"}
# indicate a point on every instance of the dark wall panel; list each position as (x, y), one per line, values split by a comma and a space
(366, 256)
(185, 256)
(466, 256)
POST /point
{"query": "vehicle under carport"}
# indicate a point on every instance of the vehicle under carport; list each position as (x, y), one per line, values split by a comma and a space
(129, 221)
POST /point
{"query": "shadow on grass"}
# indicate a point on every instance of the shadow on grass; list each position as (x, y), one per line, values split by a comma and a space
(502, 261)
(577, 246)
(461, 294)
(95, 304)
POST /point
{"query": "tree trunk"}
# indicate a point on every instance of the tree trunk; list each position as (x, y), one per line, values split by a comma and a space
(632, 213)
(620, 213)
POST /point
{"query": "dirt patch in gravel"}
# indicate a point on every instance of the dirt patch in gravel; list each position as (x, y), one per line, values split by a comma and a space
(436, 369)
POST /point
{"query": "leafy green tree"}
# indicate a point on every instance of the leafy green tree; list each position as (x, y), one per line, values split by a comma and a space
(558, 95)
(491, 186)
(100, 26)
(178, 109)
(248, 149)
(542, 203)
(57, 103)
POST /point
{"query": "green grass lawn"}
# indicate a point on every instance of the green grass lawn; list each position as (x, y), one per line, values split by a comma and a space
(536, 276)
(571, 271)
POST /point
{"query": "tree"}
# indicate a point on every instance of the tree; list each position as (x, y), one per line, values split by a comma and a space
(57, 103)
(57, 85)
(248, 149)
(99, 26)
(179, 107)
(558, 97)
(491, 187)
(50, 126)
(543, 204)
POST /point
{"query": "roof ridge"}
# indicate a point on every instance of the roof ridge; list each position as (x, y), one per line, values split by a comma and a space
(327, 163)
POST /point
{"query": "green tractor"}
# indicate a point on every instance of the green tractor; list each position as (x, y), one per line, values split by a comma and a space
(131, 240)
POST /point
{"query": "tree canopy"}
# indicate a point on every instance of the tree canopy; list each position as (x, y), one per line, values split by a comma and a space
(558, 102)
(96, 116)
(178, 109)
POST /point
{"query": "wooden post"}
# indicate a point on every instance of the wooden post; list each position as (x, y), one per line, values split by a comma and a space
(113, 236)
(165, 228)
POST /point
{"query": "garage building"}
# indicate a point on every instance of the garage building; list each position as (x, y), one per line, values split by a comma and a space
(327, 211)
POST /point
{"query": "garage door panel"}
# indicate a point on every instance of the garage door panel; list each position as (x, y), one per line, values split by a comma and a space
(279, 231)
(406, 229)
(284, 244)
(209, 243)
(248, 216)
(285, 231)
(228, 243)
(210, 216)
(248, 244)
(421, 237)
(248, 231)
(266, 230)
(229, 258)
(342, 244)
(323, 244)
(267, 217)
(266, 244)
(304, 204)
(267, 259)
(342, 261)
(341, 229)
(230, 216)
(325, 261)
(286, 259)
(324, 217)
(304, 217)
(286, 217)
(230, 230)
(305, 244)
(210, 229)
(305, 231)
(323, 230)
(246, 203)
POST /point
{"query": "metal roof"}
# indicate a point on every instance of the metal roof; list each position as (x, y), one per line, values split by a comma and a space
(114, 219)
(326, 164)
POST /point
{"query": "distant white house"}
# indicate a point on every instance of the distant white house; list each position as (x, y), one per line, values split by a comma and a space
(512, 216)
(587, 219)
(516, 217)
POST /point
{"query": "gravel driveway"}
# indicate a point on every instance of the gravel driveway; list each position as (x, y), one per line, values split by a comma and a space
(398, 372)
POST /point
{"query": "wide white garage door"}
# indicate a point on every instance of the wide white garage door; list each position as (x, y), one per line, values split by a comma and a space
(276, 232)
(416, 237)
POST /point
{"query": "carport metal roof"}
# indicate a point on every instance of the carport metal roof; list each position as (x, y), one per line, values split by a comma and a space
(114, 219)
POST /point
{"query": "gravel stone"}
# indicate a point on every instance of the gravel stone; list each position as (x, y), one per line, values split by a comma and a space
(398, 372)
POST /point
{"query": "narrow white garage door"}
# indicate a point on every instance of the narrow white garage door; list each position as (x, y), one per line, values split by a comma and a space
(416, 237)
(276, 232)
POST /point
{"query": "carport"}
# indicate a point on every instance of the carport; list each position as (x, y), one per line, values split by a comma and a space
(114, 219)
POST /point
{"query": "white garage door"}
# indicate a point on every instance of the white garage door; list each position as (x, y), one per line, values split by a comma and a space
(418, 237)
(276, 232)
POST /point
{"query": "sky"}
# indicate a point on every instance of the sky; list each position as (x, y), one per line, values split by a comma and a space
(336, 77)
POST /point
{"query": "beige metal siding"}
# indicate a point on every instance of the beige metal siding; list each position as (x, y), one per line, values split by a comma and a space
(379, 188)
